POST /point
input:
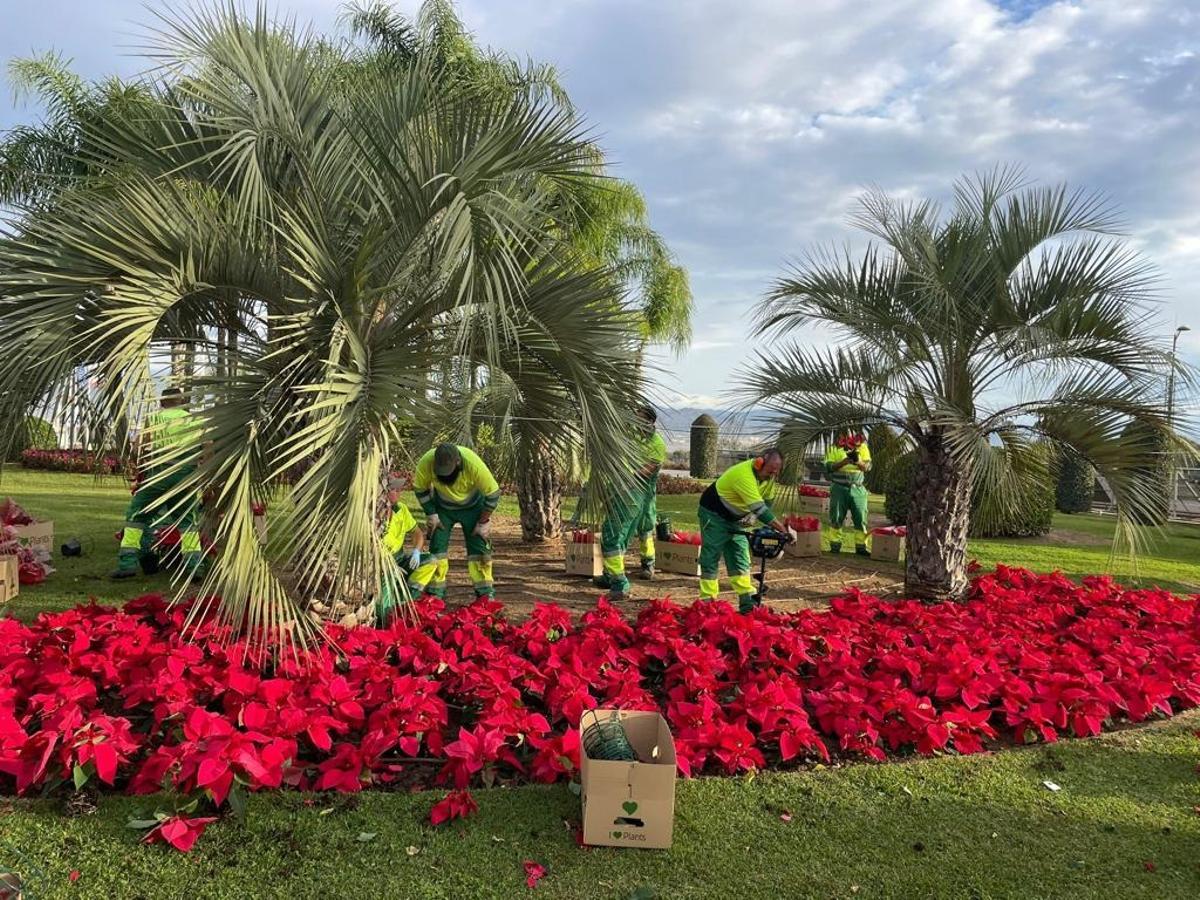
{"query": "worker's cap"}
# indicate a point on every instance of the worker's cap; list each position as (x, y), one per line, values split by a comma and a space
(446, 459)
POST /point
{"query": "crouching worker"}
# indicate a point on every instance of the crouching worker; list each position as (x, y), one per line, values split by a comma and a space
(732, 504)
(455, 487)
(168, 451)
(423, 574)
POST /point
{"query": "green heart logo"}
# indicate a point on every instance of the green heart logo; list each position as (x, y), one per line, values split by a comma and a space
(616, 835)
(629, 806)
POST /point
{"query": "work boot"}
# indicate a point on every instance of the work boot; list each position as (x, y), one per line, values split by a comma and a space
(860, 550)
(835, 547)
(149, 563)
(127, 566)
(647, 572)
(602, 581)
(747, 603)
(617, 595)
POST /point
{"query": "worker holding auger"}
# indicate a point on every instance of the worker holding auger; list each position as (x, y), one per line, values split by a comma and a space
(455, 487)
(634, 513)
(168, 452)
(740, 497)
(846, 464)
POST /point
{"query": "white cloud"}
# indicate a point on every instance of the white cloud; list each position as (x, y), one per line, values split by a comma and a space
(752, 125)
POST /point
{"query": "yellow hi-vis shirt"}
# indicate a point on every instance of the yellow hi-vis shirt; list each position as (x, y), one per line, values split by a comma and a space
(740, 492)
(172, 436)
(851, 474)
(399, 525)
(654, 450)
(474, 480)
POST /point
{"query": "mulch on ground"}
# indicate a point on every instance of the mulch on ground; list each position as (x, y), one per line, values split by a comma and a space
(526, 574)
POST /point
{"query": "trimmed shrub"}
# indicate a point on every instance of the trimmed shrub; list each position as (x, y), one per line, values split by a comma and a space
(1076, 483)
(673, 484)
(1031, 516)
(897, 487)
(32, 433)
(705, 435)
(83, 461)
(886, 447)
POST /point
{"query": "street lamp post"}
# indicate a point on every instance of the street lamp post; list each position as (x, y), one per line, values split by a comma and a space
(1171, 414)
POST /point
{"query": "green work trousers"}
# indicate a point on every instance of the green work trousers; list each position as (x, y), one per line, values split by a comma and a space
(720, 540)
(847, 499)
(479, 549)
(635, 513)
(143, 518)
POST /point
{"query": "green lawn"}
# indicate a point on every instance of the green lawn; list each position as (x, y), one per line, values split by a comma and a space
(982, 826)
(950, 827)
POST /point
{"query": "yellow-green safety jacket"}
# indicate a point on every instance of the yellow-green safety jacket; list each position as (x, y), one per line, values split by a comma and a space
(474, 482)
(738, 493)
(399, 525)
(847, 475)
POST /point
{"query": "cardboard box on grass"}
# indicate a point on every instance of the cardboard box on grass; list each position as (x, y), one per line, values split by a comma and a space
(682, 559)
(584, 559)
(806, 544)
(38, 536)
(10, 578)
(630, 804)
(887, 547)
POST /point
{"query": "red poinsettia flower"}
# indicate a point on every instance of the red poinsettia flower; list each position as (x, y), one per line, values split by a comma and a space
(455, 805)
(179, 831)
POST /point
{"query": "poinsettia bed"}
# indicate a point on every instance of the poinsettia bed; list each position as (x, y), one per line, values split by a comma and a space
(121, 698)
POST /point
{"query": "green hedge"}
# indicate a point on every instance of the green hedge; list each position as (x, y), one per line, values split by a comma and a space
(31, 434)
(1076, 483)
(886, 447)
(1030, 516)
(1152, 444)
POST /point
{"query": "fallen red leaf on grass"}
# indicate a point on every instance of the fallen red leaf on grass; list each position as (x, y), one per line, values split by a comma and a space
(178, 831)
(534, 872)
(74, 876)
(456, 805)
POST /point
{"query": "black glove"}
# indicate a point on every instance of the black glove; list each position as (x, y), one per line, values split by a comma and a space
(852, 455)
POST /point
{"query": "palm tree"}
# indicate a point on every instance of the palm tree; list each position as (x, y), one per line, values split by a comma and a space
(1019, 318)
(605, 222)
(341, 233)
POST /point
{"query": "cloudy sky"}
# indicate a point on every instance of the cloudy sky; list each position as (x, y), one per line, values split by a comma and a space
(751, 126)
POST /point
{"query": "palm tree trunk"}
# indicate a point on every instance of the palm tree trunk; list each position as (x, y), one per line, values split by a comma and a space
(938, 520)
(539, 492)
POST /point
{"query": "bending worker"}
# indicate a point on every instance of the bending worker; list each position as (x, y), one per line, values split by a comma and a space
(634, 513)
(425, 575)
(733, 502)
(845, 465)
(168, 451)
(455, 487)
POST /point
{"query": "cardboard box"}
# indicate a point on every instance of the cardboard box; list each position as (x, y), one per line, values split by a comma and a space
(584, 559)
(887, 547)
(630, 804)
(807, 543)
(813, 506)
(682, 559)
(38, 537)
(10, 578)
